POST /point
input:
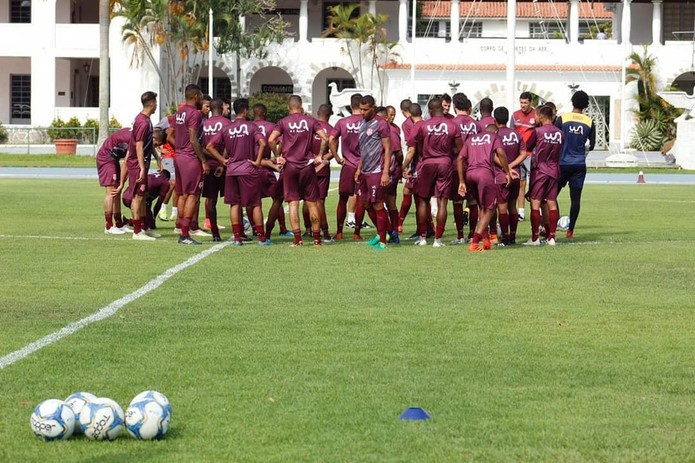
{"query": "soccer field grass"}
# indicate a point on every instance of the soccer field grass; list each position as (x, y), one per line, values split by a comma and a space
(582, 352)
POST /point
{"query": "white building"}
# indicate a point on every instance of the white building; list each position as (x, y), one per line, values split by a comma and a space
(49, 58)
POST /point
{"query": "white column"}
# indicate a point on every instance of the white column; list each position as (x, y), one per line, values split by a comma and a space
(574, 21)
(656, 21)
(626, 24)
(617, 21)
(402, 20)
(211, 86)
(454, 18)
(43, 65)
(511, 52)
(372, 7)
(303, 20)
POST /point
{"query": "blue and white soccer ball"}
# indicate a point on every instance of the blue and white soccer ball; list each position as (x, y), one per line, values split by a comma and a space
(563, 222)
(53, 419)
(147, 419)
(158, 397)
(102, 419)
(77, 401)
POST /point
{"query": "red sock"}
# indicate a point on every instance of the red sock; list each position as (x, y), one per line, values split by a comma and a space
(472, 219)
(372, 215)
(439, 231)
(109, 219)
(297, 236)
(341, 213)
(513, 223)
(261, 233)
(382, 223)
(317, 237)
(504, 224)
(119, 219)
(458, 219)
(359, 217)
(324, 230)
(236, 230)
(137, 226)
(535, 223)
(422, 228)
(405, 207)
(393, 218)
(477, 237)
(553, 217)
(185, 226)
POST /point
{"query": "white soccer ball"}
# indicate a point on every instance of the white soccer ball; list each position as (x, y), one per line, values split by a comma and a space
(147, 419)
(77, 401)
(53, 419)
(102, 419)
(158, 397)
(563, 222)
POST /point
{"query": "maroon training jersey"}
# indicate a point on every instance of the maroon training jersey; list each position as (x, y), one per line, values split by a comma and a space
(157, 185)
(187, 117)
(479, 152)
(266, 128)
(297, 132)
(513, 144)
(120, 137)
(411, 141)
(438, 136)
(348, 130)
(211, 127)
(547, 140)
(316, 146)
(467, 126)
(240, 140)
(484, 122)
(142, 131)
(407, 127)
(395, 146)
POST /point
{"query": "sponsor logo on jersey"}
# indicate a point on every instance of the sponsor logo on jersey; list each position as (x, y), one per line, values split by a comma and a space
(262, 130)
(353, 128)
(510, 139)
(481, 140)
(440, 129)
(180, 118)
(212, 129)
(577, 130)
(242, 130)
(468, 129)
(301, 126)
(553, 138)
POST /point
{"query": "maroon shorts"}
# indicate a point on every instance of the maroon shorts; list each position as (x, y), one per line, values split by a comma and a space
(213, 187)
(543, 187)
(324, 183)
(395, 176)
(513, 191)
(371, 190)
(481, 187)
(243, 190)
(109, 173)
(502, 193)
(189, 175)
(433, 180)
(300, 184)
(454, 190)
(135, 188)
(268, 184)
(347, 185)
(411, 184)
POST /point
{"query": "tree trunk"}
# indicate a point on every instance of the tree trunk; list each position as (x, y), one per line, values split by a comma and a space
(104, 71)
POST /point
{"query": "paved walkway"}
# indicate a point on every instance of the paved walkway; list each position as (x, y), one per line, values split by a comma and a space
(91, 173)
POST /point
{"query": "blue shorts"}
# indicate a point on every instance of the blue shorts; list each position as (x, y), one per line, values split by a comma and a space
(574, 175)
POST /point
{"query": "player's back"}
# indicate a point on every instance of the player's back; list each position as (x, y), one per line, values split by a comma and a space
(577, 129)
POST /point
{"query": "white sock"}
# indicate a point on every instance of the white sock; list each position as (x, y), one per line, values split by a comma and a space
(351, 216)
(522, 212)
(163, 209)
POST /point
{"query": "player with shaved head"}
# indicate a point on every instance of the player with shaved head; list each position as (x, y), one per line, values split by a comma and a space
(298, 164)
(213, 182)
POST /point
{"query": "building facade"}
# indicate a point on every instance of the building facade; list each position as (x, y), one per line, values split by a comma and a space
(52, 67)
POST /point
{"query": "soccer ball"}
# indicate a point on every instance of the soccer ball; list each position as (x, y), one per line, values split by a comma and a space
(147, 419)
(563, 222)
(102, 419)
(53, 419)
(77, 401)
(158, 397)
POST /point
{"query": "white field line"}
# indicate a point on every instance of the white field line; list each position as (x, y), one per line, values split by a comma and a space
(107, 311)
(68, 238)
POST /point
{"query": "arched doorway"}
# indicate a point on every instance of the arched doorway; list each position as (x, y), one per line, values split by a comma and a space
(320, 89)
(685, 82)
(271, 79)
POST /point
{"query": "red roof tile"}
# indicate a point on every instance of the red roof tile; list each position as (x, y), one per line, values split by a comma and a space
(545, 10)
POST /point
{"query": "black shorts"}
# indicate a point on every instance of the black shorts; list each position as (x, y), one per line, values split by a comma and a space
(574, 175)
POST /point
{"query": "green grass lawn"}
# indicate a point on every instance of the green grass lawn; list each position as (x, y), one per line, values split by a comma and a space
(582, 352)
(46, 160)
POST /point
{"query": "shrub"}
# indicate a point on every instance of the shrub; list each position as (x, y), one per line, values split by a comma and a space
(3, 133)
(646, 136)
(60, 129)
(275, 102)
(91, 131)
